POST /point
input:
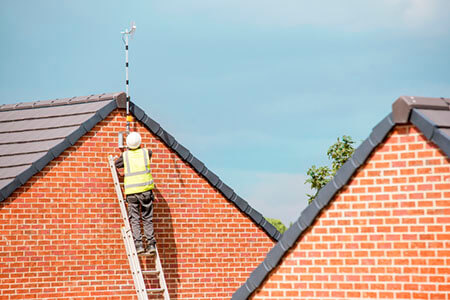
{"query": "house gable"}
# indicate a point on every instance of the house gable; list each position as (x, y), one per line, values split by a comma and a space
(383, 236)
(61, 228)
(431, 119)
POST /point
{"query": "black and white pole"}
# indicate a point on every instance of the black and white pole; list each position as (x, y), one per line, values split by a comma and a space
(125, 34)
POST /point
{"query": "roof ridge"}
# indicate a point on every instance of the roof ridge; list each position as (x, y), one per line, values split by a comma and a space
(402, 107)
(63, 101)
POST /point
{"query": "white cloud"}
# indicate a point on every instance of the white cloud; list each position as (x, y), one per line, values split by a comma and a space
(351, 15)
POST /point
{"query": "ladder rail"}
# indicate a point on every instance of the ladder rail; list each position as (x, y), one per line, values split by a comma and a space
(161, 277)
(130, 247)
(134, 265)
(123, 209)
(128, 239)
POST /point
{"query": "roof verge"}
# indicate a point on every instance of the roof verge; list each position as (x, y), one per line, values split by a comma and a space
(200, 168)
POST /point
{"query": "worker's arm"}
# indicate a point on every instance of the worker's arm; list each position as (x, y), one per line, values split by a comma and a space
(119, 162)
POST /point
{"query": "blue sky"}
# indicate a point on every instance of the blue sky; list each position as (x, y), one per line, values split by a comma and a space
(257, 89)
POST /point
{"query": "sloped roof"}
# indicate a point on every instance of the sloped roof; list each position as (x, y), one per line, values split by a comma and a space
(32, 134)
(430, 115)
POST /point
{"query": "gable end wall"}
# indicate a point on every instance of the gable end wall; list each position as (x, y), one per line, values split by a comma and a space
(384, 235)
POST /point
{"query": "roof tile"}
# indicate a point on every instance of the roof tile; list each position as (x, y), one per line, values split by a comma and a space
(439, 117)
(35, 135)
(4, 182)
(44, 123)
(11, 172)
(51, 111)
(441, 137)
(21, 159)
(425, 125)
(10, 149)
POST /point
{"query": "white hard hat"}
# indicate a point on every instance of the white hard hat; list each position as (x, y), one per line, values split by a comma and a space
(133, 140)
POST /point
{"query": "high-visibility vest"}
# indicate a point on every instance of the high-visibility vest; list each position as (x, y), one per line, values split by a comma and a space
(136, 165)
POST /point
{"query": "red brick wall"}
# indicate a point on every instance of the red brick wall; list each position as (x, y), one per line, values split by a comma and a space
(60, 232)
(386, 235)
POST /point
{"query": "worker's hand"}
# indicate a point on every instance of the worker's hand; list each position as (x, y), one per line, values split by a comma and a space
(120, 172)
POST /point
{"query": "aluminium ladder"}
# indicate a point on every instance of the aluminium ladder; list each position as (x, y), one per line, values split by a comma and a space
(133, 259)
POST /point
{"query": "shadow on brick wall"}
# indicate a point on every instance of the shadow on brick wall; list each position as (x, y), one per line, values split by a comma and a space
(167, 247)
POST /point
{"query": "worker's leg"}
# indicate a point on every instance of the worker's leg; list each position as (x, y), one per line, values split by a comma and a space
(133, 215)
(147, 216)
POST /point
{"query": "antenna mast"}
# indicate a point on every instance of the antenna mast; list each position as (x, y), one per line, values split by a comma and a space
(125, 34)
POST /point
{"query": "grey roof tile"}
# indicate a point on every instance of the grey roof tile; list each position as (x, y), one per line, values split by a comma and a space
(33, 134)
(445, 131)
(60, 147)
(25, 175)
(4, 182)
(210, 176)
(20, 159)
(43, 161)
(196, 164)
(276, 253)
(362, 152)
(51, 111)
(39, 146)
(181, 150)
(441, 137)
(12, 172)
(380, 131)
(424, 124)
(10, 188)
(255, 215)
(44, 123)
(241, 203)
(439, 117)
(225, 190)
(36, 135)
(166, 137)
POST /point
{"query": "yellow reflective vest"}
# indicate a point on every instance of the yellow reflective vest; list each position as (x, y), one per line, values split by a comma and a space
(136, 165)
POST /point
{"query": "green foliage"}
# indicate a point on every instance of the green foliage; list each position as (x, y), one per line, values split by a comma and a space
(339, 153)
(278, 224)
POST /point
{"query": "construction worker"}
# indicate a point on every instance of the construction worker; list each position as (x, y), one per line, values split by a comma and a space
(138, 184)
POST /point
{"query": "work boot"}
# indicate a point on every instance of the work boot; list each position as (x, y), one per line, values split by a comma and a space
(140, 249)
(151, 249)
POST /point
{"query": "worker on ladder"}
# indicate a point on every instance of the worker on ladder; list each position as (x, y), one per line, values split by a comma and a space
(138, 184)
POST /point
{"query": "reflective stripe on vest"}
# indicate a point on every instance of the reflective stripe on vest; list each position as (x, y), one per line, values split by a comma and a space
(138, 178)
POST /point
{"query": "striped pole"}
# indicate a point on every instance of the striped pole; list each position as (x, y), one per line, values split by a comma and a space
(127, 82)
(126, 33)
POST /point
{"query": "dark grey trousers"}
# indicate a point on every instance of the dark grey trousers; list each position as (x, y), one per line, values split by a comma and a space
(145, 202)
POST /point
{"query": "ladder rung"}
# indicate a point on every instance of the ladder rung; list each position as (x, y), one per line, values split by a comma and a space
(154, 291)
(147, 254)
(151, 272)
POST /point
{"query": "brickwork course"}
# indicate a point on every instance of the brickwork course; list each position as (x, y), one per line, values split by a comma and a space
(381, 228)
(60, 228)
